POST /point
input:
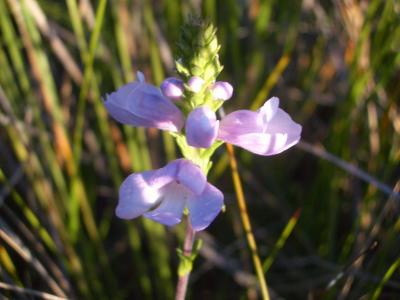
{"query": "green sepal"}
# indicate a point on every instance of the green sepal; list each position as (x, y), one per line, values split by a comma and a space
(199, 156)
(181, 69)
(186, 261)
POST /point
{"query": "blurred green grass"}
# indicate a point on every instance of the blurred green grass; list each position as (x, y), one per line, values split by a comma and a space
(335, 66)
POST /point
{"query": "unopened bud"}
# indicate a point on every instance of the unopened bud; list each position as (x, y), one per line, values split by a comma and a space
(195, 84)
(222, 90)
(172, 88)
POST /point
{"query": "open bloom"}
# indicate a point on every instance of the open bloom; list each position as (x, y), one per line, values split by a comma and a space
(163, 194)
(141, 104)
(268, 131)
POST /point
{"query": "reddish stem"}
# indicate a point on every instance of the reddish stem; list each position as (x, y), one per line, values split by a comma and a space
(183, 280)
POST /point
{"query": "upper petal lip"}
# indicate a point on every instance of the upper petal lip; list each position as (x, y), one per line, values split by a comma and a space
(142, 104)
(268, 131)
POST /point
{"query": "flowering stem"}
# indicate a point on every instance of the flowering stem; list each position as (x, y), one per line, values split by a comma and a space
(183, 279)
(246, 223)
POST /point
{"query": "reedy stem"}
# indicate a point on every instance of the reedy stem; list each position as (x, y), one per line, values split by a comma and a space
(246, 223)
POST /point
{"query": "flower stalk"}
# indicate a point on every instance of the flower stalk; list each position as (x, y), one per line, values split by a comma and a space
(186, 263)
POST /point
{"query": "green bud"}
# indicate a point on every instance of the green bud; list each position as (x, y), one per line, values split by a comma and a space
(198, 56)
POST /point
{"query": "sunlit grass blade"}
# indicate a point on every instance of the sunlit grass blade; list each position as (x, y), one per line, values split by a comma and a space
(389, 273)
(87, 78)
(281, 241)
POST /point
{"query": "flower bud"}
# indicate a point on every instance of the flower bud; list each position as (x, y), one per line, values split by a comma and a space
(195, 84)
(172, 88)
(222, 90)
(201, 127)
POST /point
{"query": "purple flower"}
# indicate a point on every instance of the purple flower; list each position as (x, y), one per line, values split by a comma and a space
(201, 127)
(195, 84)
(222, 90)
(161, 195)
(267, 131)
(172, 88)
(142, 104)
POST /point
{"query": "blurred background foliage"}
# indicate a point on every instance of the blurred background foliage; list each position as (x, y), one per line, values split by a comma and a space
(325, 213)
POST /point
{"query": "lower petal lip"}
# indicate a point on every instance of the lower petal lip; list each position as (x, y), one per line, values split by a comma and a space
(204, 208)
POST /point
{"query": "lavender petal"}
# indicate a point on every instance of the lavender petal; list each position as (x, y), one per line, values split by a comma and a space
(201, 127)
(204, 208)
(136, 196)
